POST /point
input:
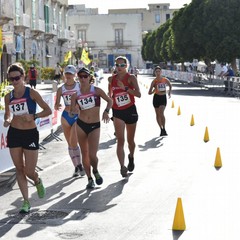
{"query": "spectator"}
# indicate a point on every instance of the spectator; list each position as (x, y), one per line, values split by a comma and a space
(32, 76)
(228, 74)
(58, 73)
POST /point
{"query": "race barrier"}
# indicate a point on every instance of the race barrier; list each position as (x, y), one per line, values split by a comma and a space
(46, 127)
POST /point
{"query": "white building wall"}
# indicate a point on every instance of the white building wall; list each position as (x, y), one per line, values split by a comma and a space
(100, 34)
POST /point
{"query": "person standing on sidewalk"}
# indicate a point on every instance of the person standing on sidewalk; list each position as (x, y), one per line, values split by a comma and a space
(69, 123)
(58, 73)
(32, 76)
(88, 123)
(23, 136)
(123, 88)
(158, 87)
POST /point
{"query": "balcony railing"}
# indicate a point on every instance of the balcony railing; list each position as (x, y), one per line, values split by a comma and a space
(6, 11)
(91, 44)
(38, 25)
(63, 35)
(22, 22)
(123, 44)
(51, 29)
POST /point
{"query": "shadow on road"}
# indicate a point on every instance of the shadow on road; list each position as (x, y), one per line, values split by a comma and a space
(153, 143)
(76, 206)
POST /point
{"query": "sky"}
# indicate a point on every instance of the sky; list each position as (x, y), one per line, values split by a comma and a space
(104, 5)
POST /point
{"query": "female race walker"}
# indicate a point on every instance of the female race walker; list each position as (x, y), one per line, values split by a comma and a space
(88, 123)
(69, 123)
(123, 87)
(158, 87)
(23, 136)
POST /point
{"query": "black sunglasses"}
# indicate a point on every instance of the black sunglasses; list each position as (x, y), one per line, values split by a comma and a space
(17, 78)
(83, 76)
(120, 64)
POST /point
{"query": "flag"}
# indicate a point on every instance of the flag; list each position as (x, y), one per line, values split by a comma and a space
(84, 58)
(67, 56)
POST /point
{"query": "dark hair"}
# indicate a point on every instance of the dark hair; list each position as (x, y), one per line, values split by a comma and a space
(16, 67)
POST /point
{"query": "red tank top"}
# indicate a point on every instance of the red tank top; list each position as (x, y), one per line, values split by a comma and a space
(121, 98)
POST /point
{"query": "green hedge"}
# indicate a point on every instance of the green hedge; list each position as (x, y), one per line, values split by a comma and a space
(47, 73)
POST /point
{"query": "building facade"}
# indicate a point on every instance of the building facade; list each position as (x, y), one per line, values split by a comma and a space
(34, 30)
(45, 30)
(117, 33)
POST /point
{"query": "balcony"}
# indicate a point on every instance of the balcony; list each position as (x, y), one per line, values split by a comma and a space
(50, 31)
(6, 11)
(63, 35)
(91, 44)
(123, 44)
(38, 27)
(22, 22)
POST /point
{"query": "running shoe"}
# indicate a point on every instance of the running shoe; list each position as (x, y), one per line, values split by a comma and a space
(131, 163)
(81, 170)
(124, 171)
(76, 172)
(163, 132)
(25, 207)
(40, 189)
(90, 184)
(98, 178)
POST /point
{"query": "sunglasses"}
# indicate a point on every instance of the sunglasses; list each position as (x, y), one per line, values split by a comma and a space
(83, 76)
(17, 78)
(120, 64)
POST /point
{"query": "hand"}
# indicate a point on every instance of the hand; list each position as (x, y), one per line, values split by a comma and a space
(105, 117)
(6, 123)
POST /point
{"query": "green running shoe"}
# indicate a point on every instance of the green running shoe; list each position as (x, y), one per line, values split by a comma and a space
(41, 189)
(25, 207)
(98, 178)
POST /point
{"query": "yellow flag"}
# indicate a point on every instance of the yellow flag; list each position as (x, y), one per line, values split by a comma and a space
(1, 44)
(67, 56)
(84, 58)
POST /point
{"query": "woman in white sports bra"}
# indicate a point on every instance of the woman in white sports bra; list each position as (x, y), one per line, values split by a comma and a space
(69, 123)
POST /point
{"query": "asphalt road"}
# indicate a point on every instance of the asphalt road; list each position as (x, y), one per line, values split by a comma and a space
(142, 206)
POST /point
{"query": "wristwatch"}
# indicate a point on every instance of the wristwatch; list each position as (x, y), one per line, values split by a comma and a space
(35, 116)
(126, 88)
(107, 110)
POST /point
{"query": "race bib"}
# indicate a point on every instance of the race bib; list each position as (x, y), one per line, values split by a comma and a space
(161, 87)
(86, 101)
(122, 99)
(18, 106)
(67, 97)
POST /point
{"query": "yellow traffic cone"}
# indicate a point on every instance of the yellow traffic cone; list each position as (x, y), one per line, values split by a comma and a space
(192, 121)
(179, 221)
(218, 160)
(172, 104)
(206, 136)
(179, 111)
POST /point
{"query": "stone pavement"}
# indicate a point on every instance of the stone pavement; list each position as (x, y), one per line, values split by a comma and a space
(142, 206)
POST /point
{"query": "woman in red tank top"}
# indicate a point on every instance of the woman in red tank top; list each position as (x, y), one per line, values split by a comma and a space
(123, 88)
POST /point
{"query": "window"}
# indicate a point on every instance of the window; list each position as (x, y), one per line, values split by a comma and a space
(82, 35)
(119, 36)
(167, 16)
(157, 18)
